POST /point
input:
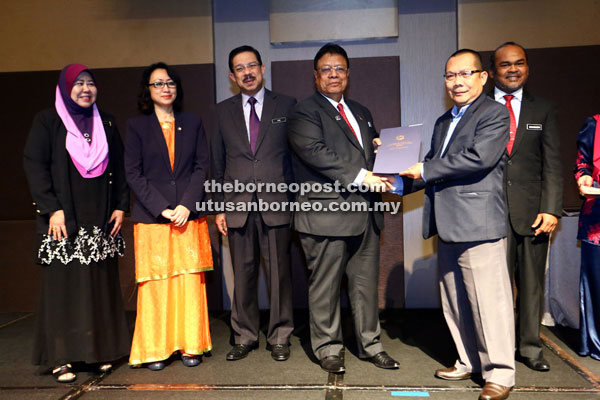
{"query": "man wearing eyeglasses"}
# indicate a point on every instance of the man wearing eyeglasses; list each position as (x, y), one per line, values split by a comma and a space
(249, 145)
(533, 184)
(464, 205)
(331, 137)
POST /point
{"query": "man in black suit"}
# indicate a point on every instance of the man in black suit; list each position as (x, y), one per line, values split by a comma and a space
(249, 146)
(332, 139)
(533, 184)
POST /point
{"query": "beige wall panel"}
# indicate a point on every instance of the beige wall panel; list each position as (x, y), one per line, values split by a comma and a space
(333, 25)
(484, 24)
(44, 35)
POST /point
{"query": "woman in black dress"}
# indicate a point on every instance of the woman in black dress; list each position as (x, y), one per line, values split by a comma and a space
(73, 160)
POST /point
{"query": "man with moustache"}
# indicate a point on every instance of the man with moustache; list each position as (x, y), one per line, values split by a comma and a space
(533, 185)
(249, 145)
(331, 137)
(464, 205)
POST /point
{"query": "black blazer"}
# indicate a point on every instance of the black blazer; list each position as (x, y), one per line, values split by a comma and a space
(46, 164)
(328, 151)
(232, 157)
(533, 177)
(148, 169)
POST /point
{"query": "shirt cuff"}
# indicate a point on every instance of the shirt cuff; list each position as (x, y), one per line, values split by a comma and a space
(360, 177)
(398, 186)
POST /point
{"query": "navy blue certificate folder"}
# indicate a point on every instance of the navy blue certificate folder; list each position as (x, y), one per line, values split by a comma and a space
(399, 149)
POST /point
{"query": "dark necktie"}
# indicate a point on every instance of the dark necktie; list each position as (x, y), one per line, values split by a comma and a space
(340, 108)
(254, 124)
(513, 123)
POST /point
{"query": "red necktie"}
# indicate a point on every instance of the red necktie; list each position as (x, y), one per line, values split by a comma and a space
(513, 123)
(254, 123)
(340, 108)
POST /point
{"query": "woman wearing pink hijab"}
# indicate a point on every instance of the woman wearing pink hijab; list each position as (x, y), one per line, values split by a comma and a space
(73, 160)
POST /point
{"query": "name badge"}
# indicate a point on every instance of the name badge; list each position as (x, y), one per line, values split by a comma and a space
(278, 120)
(534, 127)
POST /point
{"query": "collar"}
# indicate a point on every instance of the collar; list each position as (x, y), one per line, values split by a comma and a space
(456, 113)
(335, 103)
(259, 96)
(499, 94)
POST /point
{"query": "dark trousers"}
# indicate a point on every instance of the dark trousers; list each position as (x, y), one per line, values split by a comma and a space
(328, 258)
(247, 244)
(527, 265)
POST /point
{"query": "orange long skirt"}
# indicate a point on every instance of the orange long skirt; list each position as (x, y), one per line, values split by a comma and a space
(171, 305)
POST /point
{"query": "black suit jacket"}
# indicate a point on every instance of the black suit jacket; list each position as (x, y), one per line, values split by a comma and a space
(148, 169)
(533, 177)
(46, 162)
(328, 151)
(232, 157)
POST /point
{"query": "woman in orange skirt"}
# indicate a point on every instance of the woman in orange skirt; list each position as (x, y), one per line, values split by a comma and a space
(166, 161)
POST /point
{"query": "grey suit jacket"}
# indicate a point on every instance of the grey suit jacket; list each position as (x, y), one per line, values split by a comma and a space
(533, 176)
(232, 158)
(464, 198)
(327, 151)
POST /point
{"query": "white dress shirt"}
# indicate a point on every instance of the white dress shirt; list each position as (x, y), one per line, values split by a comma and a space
(354, 124)
(515, 102)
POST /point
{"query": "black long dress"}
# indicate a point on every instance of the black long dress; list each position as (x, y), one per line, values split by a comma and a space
(81, 316)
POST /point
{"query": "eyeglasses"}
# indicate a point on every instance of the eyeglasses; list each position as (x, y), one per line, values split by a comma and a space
(326, 70)
(250, 66)
(450, 76)
(161, 84)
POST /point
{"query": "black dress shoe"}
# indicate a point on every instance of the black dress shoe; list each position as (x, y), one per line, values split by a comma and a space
(536, 364)
(383, 360)
(333, 364)
(240, 351)
(280, 352)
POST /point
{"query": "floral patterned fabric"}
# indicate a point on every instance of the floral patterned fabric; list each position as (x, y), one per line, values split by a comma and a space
(85, 247)
(589, 217)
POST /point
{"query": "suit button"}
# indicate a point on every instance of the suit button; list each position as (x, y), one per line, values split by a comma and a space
(509, 183)
(255, 160)
(509, 162)
(110, 174)
(33, 203)
(110, 182)
(173, 183)
(37, 211)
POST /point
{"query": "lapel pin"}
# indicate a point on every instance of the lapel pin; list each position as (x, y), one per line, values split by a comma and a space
(370, 124)
(359, 117)
(338, 118)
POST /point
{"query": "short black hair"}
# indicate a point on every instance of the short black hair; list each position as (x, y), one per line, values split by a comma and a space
(493, 56)
(478, 62)
(243, 49)
(145, 103)
(333, 49)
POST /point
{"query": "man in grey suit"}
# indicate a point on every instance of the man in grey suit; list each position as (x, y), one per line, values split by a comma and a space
(464, 205)
(332, 137)
(533, 184)
(249, 146)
